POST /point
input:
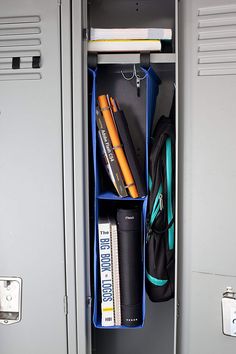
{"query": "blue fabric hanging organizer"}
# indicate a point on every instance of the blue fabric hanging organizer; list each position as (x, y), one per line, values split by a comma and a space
(152, 87)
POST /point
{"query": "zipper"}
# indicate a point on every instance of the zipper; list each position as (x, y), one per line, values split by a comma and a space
(161, 202)
(156, 206)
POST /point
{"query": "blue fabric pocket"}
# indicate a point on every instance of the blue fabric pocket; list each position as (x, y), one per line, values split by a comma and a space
(152, 88)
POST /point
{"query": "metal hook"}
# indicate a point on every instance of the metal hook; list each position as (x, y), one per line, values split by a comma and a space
(138, 80)
(128, 78)
(137, 75)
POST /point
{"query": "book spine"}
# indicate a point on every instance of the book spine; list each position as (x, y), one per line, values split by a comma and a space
(130, 34)
(119, 183)
(107, 308)
(116, 274)
(105, 159)
(124, 46)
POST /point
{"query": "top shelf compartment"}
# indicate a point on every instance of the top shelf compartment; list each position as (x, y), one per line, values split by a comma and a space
(133, 14)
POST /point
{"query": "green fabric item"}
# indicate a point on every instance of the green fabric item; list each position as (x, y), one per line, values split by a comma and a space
(155, 281)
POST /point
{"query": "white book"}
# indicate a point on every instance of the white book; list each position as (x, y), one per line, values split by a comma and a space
(124, 46)
(105, 260)
(130, 33)
(115, 272)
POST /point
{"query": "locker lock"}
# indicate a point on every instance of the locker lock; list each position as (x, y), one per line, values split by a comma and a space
(229, 312)
(10, 300)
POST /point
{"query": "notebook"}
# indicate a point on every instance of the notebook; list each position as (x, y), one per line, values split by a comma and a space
(130, 33)
(153, 45)
(105, 160)
(109, 157)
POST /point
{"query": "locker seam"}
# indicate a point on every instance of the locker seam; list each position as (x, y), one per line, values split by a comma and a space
(65, 297)
(215, 274)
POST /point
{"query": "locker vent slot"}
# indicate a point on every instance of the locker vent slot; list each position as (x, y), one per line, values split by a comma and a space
(216, 40)
(217, 10)
(20, 48)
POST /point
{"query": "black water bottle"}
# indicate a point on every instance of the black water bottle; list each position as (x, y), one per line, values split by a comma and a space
(130, 263)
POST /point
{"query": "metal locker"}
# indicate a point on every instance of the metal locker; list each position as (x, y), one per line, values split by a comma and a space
(160, 323)
(32, 262)
(207, 173)
(45, 292)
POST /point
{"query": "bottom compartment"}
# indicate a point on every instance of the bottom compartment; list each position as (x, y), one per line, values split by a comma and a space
(119, 258)
(156, 337)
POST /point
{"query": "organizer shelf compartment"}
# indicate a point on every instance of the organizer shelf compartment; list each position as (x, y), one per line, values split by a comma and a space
(139, 112)
(109, 208)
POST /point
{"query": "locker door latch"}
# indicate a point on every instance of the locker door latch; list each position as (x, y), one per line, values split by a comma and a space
(229, 312)
(10, 300)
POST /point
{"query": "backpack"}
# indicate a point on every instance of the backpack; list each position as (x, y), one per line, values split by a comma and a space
(160, 249)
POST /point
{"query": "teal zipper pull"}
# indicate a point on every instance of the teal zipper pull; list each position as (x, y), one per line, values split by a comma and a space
(161, 202)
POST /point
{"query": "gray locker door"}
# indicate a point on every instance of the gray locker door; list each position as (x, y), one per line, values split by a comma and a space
(208, 172)
(31, 184)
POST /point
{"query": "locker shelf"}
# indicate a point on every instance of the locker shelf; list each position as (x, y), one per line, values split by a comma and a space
(134, 58)
(113, 196)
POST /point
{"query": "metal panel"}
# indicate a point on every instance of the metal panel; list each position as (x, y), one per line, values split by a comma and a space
(81, 176)
(156, 336)
(67, 125)
(134, 58)
(207, 175)
(205, 327)
(31, 204)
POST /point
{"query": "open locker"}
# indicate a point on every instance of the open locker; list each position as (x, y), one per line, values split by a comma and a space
(47, 183)
(108, 73)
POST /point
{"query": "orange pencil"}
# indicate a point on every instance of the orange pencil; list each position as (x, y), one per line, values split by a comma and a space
(123, 163)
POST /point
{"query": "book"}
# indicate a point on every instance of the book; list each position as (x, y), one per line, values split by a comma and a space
(128, 145)
(104, 103)
(130, 33)
(105, 159)
(105, 260)
(109, 156)
(115, 272)
(153, 45)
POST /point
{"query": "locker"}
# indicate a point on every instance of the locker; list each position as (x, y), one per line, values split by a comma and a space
(47, 183)
(160, 318)
(207, 150)
(32, 226)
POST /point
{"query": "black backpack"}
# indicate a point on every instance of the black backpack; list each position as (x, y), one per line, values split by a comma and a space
(160, 250)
